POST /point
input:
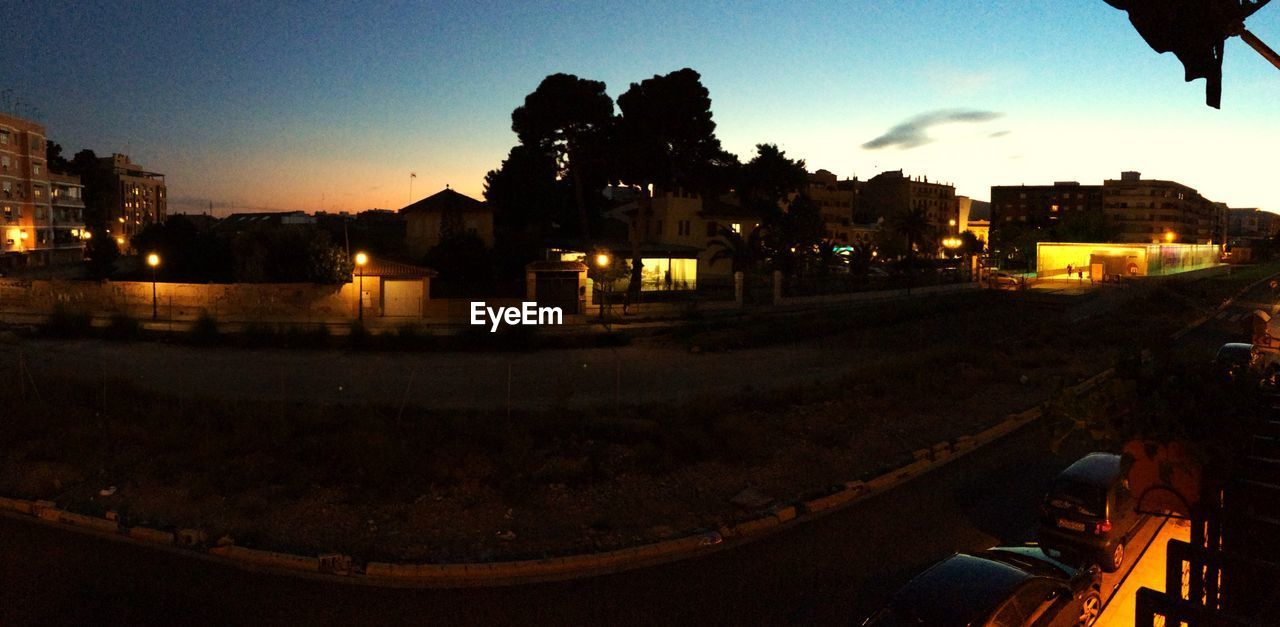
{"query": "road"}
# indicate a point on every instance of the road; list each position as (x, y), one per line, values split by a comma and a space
(834, 570)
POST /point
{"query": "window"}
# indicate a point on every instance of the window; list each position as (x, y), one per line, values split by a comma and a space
(8, 188)
(35, 169)
(736, 227)
(8, 213)
(4, 162)
(711, 229)
(4, 139)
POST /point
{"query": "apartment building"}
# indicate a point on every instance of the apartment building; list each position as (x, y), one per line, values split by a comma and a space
(33, 231)
(1155, 211)
(837, 200)
(1042, 205)
(141, 198)
(1252, 223)
(66, 200)
(893, 192)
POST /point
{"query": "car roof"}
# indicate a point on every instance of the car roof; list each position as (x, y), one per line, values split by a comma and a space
(960, 590)
(1095, 469)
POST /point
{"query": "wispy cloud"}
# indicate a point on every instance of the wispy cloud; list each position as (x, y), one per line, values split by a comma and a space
(998, 134)
(914, 132)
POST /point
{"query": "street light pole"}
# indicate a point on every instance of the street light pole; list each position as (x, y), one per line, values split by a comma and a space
(361, 259)
(153, 260)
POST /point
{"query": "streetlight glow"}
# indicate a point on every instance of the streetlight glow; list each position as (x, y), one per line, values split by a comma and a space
(153, 260)
(361, 260)
(602, 260)
(1169, 236)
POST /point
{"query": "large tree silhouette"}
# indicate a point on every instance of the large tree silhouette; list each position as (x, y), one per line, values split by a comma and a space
(567, 117)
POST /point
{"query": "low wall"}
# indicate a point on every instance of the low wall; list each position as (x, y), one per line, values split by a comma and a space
(231, 302)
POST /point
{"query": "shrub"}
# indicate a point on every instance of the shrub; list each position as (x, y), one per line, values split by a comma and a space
(67, 322)
(204, 330)
(122, 327)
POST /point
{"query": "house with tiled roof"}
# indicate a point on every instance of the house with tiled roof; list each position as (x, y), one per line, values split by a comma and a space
(442, 215)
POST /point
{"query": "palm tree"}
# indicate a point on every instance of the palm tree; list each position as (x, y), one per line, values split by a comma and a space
(743, 252)
(912, 225)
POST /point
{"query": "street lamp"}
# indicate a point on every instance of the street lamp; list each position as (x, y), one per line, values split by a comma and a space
(1169, 236)
(602, 261)
(361, 260)
(153, 260)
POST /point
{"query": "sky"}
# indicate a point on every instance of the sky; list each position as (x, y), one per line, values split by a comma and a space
(257, 106)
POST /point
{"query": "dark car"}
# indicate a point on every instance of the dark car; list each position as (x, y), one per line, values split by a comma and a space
(1234, 359)
(1003, 586)
(1089, 514)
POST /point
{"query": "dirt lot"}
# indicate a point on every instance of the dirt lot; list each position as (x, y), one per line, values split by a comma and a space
(380, 474)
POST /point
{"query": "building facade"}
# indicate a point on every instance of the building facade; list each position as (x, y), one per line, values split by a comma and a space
(443, 215)
(141, 199)
(1154, 211)
(1252, 224)
(1043, 205)
(837, 200)
(66, 199)
(32, 231)
(891, 193)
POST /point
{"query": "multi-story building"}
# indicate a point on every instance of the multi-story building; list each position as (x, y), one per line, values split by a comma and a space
(890, 193)
(67, 217)
(141, 198)
(836, 200)
(1154, 211)
(1252, 224)
(31, 231)
(1042, 205)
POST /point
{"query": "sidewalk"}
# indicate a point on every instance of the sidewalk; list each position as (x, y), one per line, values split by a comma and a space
(1148, 572)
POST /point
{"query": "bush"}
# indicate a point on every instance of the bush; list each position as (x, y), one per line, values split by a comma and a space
(67, 322)
(204, 330)
(122, 327)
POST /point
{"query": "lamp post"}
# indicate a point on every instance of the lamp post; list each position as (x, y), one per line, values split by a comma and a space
(361, 260)
(602, 262)
(153, 260)
(951, 244)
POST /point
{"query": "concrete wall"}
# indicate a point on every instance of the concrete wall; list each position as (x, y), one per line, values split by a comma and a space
(239, 302)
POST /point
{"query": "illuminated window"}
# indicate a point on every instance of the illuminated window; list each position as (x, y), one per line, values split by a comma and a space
(35, 168)
(736, 227)
(4, 162)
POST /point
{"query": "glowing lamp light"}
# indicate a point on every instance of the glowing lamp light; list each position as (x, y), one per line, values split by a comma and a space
(24, 235)
(120, 241)
(1169, 236)
(602, 260)
(361, 259)
(86, 234)
(153, 260)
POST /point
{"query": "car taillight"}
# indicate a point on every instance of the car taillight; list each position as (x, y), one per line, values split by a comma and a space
(1102, 527)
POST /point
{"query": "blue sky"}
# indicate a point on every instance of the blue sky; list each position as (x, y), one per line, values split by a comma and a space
(331, 104)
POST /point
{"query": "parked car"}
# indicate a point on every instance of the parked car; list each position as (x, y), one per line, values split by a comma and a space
(1005, 586)
(1004, 279)
(1089, 513)
(1235, 359)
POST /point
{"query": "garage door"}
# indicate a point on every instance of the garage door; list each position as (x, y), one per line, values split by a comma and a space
(402, 298)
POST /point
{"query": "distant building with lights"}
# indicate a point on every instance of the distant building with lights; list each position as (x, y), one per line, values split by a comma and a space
(1043, 205)
(41, 216)
(1139, 210)
(837, 201)
(141, 198)
(1154, 211)
(893, 192)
